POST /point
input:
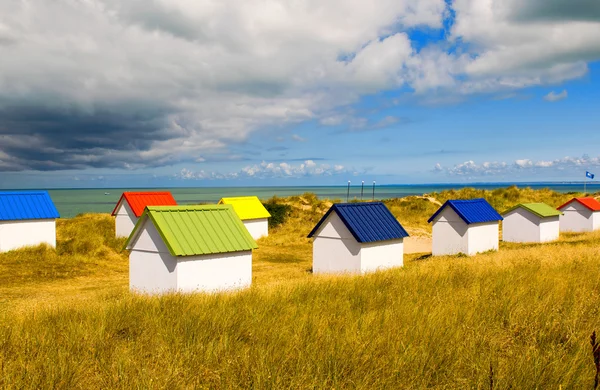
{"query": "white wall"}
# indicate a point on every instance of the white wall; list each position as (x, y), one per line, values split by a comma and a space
(30, 232)
(257, 227)
(152, 269)
(152, 273)
(596, 220)
(521, 225)
(335, 250)
(211, 273)
(381, 255)
(549, 229)
(576, 218)
(449, 234)
(483, 237)
(125, 220)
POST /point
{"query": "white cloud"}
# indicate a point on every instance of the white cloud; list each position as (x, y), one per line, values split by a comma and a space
(470, 168)
(267, 170)
(554, 97)
(296, 137)
(152, 83)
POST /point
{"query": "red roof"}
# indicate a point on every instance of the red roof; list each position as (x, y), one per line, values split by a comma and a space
(139, 200)
(590, 203)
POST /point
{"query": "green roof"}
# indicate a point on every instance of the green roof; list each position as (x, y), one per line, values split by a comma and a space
(540, 209)
(197, 230)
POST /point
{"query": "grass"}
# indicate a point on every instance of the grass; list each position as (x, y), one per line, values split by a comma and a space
(518, 318)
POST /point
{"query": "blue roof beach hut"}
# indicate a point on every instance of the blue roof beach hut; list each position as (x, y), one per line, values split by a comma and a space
(27, 218)
(357, 238)
(465, 226)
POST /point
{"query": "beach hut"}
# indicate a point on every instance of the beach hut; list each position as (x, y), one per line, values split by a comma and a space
(465, 226)
(26, 218)
(580, 215)
(252, 213)
(189, 248)
(530, 222)
(357, 238)
(131, 205)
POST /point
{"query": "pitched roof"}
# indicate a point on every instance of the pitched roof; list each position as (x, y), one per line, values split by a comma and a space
(471, 211)
(139, 200)
(247, 207)
(542, 210)
(197, 230)
(26, 205)
(368, 222)
(590, 203)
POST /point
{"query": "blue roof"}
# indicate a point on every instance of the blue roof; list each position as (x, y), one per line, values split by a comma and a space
(471, 211)
(368, 222)
(26, 205)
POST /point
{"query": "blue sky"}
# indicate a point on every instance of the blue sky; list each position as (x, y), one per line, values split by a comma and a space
(414, 92)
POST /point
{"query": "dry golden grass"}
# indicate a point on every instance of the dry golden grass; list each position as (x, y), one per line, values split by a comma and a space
(527, 311)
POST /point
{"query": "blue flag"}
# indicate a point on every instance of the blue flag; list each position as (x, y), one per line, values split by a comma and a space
(590, 175)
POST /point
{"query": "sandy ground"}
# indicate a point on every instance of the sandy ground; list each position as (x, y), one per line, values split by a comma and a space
(417, 245)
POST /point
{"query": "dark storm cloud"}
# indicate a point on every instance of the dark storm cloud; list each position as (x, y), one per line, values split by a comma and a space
(44, 138)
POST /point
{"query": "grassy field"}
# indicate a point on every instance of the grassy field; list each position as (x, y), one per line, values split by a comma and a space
(520, 318)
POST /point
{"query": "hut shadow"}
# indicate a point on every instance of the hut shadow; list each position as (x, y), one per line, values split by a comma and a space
(526, 245)
(283, 259)
(426, 256)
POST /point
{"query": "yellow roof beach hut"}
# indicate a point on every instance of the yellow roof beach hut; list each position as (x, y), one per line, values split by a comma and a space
(252, 213)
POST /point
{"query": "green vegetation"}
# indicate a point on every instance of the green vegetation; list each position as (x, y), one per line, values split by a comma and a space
(279, 212)
(520, 318)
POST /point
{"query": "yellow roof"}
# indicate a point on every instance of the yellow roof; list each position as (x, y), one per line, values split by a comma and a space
(247, 207)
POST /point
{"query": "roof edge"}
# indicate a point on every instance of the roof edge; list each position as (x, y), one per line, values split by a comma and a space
(580, 202)
(335, 208)
(449, 202)
(524, 206)
(147, 214)
(117, 205)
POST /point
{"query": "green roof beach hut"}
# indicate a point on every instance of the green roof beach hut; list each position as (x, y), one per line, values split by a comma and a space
(531, 222)
(189, 248)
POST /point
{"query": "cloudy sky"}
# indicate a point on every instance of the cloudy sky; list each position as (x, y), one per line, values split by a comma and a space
(289, 92)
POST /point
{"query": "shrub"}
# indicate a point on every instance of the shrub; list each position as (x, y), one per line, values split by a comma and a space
(279, 213)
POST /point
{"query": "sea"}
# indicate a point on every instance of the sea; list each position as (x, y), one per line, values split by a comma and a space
(71, 202)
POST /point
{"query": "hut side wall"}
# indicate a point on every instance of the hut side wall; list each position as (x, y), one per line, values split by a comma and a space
(576, 218)
(549, 229)
(449, 234)
(17, 234)
(381, 255)
(125, 220)
(521, 225)
(218, 272)
(257, 227)
(596, 220)
(152, 269)
(335, 250)
(483, 237)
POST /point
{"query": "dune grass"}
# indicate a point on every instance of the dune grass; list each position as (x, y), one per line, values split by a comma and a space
(517, 318)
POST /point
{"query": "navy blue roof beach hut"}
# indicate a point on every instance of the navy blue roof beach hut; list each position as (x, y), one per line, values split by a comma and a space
(357, 238)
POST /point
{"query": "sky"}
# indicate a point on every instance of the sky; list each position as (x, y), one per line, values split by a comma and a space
(169, 93)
